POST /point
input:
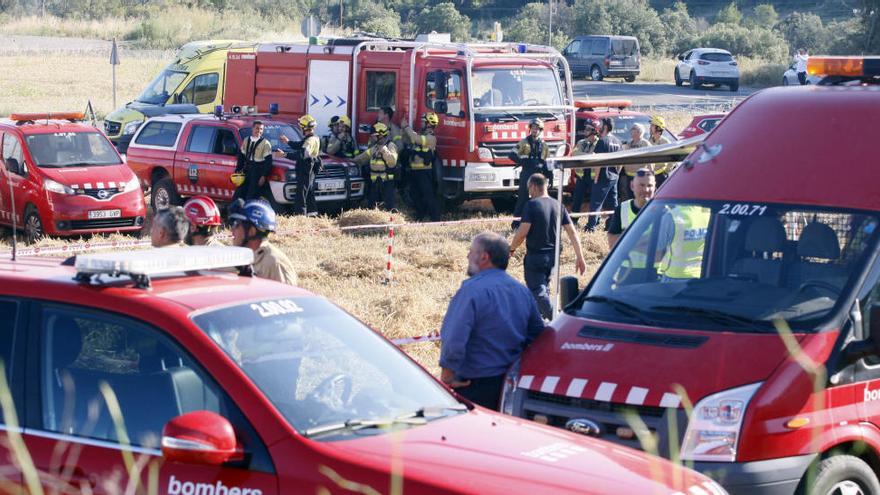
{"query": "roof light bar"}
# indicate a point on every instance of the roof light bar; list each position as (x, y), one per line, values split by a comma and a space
(141, 265)
(844, 66)
(590, 104)
(30, 117)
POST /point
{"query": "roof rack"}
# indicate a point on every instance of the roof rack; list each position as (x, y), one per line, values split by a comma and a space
(141, 266)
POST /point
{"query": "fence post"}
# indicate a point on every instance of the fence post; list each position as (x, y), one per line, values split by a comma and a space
(389, 254)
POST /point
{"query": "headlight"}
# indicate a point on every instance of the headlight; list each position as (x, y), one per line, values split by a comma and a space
(132, 185)
(509, 388)
(56, 187)
(290, 175)
(484, 154)
(354, 171)
(713, 431)
(131, 127)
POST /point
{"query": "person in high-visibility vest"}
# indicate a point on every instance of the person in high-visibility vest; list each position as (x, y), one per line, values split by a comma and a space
(340, 143)
(420, 179)
(642, 187)
(661, 170)
(308, 162)
(684, 254)
(382, 159)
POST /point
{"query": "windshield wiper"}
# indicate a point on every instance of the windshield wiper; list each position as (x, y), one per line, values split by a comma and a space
(715, 315)
(433, 411)
(621, 307)
(360, 424)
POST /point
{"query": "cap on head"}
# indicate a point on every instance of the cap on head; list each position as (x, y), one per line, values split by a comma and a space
(334, 120)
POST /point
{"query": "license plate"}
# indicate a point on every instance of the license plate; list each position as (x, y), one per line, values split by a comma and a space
(331, 184)
(98, 214)
(483, 177)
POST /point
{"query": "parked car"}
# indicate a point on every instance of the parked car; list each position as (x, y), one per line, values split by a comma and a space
(62, 177)
(187, 155)
(230, 385)
(598, 57)
(707, 66)
(701, 124)
(790, 78)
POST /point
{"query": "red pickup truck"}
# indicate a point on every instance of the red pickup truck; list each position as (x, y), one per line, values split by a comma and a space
(186, 155)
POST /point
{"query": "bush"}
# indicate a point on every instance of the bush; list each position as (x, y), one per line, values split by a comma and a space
(444, 18)
(729, 15)
(741, 41)
(374, 18)
(530, 26)
(804, 30)
(680, 28)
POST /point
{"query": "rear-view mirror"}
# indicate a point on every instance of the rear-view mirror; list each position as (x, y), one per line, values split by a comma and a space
(568, 290)
(681, 57)
(199, 437)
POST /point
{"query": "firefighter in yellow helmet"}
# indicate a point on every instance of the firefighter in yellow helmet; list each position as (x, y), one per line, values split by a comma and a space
(340, 142)
(381, 157)
(307, 157)
(422, 154)
(531, 156)
(658, 127)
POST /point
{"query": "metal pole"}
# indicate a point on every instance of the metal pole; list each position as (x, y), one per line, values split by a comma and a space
(114, 86)
(558, 248)
(550, 33)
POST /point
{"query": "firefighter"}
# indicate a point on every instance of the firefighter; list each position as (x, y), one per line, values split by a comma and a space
(204, 221)
(255, 164)
(420, 178)
(308, 162)
(381, 157)
(531, 156)
(341, 144)
(386, 116)
(252, 222)
(333, 128)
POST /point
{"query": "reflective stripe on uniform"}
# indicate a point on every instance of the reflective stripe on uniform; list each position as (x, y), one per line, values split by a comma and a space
(685, 256)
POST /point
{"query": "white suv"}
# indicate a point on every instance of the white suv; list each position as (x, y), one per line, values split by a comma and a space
(707, 66)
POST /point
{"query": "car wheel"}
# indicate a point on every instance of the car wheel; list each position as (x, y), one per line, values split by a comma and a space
(595, 73)
(678, 81)
(164, 194)
(784, 81)
(630, 78)
(842, 475)
(692, 80)
(734, 87)
(33, 226)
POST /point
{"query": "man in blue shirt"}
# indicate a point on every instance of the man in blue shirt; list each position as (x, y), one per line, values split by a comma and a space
(490, 321)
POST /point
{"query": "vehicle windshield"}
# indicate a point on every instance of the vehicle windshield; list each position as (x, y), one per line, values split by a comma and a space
(71, 149)
(319, 366)
(161, 88)
(521, 87)
(732, 266)
(273, 133)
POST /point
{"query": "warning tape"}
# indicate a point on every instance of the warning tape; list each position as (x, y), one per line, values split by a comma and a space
(82, 247)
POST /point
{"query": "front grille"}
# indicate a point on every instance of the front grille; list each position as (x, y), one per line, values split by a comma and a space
(502, 150)
(595, 405)
(332, 172)
(103, 223)
(95, 193)
(111, 128)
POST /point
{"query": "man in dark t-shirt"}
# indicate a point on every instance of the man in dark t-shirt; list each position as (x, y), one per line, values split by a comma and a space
(538, 229)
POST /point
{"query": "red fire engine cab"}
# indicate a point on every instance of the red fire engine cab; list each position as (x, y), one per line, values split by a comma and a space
(485, 95)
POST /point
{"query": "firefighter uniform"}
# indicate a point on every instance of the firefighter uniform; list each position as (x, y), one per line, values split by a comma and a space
(271, 263)
(661, 170)
(531, 156)
(382, 160)
(339, 142)
(308, 160)
(420, 178)
(255, 162)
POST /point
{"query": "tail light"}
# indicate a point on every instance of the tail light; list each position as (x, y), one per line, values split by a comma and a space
(607, 61)
(702, 62)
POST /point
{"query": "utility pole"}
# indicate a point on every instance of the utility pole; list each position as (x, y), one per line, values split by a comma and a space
(340, 14)
(550, 22)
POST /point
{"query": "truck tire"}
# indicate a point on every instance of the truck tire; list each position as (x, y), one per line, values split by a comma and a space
(595, 73)
(164, 194)
(504, 205)
(33, 225)
(842, 475)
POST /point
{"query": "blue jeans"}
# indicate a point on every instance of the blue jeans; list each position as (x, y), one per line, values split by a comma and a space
(603, 193)
(537, 268)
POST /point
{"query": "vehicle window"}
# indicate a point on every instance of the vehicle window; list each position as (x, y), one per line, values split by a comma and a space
(586, 48)
(12, 150)
(624, 47)
(224, 143)
(716, 57)
(600, 46)
(443, 92)
(318, 365)
(273, 132)
(201, 140)
(381, 89)
(71, 149)
(516, 87)
(160, 88)
(152, 380)
(159, 134)
(8, 320)
(573, 49)
(201, 90)
(708, 124)
(735, 266)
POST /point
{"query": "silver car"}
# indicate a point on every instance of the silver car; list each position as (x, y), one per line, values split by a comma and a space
(790, 78)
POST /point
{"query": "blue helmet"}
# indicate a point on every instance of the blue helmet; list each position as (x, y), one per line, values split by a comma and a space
(256, 211)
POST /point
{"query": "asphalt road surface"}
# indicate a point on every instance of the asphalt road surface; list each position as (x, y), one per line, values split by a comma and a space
(658, 95)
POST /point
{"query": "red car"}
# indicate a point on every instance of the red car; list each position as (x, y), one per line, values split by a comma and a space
(701, 124)
(738, 316)
(204, 382)
(62, 177)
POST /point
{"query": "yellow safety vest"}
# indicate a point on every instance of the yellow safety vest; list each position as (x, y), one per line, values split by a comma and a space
(637, 259)
(684, 258)
(421, 148)
(378, 167)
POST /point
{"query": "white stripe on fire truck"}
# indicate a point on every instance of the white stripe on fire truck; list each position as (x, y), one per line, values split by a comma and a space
(549, 385)
(111, 185)
(696, 490)
(87, 186)
(670, 400)
(75, 186)
(525, 381)
(100, 185)
(636, 396)
(606, 390)
(576, 387)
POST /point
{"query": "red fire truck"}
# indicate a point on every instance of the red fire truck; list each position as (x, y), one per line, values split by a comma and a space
(485, 95)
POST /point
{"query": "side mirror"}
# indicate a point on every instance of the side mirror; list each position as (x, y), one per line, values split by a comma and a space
(365, 128)
(568, 290)
(199, 437)
(440, 107)
(869, 347)
(13, 166)
(681, 57)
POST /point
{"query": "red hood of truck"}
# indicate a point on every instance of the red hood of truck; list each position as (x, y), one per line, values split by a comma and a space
(700, 363)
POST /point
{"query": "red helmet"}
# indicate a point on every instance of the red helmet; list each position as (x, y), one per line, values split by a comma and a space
(592, 125)
(201, 211)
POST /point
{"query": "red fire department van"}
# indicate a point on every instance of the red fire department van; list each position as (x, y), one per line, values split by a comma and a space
(736, 324)
(485, 95)
(62, 177)
(205, 382)
(178, 156)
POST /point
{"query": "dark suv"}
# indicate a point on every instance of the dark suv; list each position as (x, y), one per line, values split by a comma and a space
(598, 57)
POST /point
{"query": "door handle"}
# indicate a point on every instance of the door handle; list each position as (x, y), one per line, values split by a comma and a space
(212, 162)
(186, 159)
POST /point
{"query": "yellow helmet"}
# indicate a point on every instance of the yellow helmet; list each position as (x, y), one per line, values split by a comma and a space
(537, 122)
(380, 129)
(658, 122)
(237, 179)
(344, 120)
(431, 119)
(307, 122)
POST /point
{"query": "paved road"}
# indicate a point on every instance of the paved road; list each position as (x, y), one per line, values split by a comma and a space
(665, 95)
